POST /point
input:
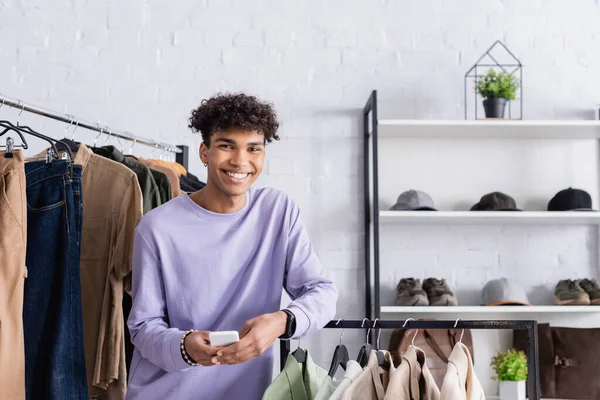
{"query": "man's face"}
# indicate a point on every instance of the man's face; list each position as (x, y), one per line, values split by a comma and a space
(235, 159)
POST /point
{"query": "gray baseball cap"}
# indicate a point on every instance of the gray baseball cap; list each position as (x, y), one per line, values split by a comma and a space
(414, 200)
(504, 292)
(495, 201)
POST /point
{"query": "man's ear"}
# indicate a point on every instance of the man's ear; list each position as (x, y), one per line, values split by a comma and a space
(203, 152)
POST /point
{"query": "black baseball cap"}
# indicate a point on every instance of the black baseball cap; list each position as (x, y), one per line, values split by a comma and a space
(495, 201)
(571, 200)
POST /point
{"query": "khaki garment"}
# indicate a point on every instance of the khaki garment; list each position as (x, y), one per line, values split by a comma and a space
(372, 383)
(404, 384)
(13, 239)
(112, 208)
(460, 382)
(173, 178)
(176, 167)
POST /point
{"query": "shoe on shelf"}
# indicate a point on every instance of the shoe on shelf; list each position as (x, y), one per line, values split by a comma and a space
(569, 292)
(592, 289)
(410, 293)
(438, 292)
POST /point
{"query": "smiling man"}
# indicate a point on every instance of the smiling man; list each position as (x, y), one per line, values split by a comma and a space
(218, 260)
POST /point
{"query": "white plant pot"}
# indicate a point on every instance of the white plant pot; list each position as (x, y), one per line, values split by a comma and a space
(510, 390)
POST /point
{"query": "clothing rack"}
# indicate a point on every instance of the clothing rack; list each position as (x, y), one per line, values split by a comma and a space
(530, 328)
(76, 122)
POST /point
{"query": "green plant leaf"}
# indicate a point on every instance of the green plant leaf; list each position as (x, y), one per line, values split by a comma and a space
(510, 366)
(497, 85)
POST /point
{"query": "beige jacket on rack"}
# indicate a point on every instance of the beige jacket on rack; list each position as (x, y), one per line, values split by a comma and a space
(113, 207)
(404, 383)
(372, 383)
(460, 381)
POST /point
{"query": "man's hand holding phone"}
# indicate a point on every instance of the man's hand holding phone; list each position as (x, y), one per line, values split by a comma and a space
(197, 345)
(256, 336)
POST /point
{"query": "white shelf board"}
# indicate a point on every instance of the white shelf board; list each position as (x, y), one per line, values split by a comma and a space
(490, 217)
(490, 129)
(490, 310)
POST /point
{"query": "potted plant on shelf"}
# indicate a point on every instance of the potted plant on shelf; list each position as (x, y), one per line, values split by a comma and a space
(511, 371)
(497, 89)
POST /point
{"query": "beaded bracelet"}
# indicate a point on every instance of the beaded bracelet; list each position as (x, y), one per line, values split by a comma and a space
(188, 359)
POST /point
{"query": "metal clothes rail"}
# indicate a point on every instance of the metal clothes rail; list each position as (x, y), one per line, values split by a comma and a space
(530, 328)
(76, 122)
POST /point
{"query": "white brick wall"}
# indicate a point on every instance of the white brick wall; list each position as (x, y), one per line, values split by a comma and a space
(141, 66)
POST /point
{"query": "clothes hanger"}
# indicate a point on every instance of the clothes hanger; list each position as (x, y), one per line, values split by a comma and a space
(412, 343)
(299, 354)
(69, 143)
(340, 355)
(462, 333)
(132, 136)
(121, 144)
(97, 136)
(107, 137)
(365, 350)
(129, 153)
(381, 360)
(10, 142)
(153, 150)
(20, 129)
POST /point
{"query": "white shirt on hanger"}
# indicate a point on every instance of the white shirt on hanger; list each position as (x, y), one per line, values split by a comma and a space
(332, 389)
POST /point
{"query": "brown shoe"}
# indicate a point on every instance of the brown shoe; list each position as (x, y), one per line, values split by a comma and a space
(569, 292)
(410, 293)
(439, 293)
(592, 289)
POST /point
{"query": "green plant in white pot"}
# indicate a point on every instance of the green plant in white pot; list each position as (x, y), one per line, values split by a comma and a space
(511, 371)
(497, 89)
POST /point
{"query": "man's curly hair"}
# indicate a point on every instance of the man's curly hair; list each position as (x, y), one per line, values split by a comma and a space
(225, 111)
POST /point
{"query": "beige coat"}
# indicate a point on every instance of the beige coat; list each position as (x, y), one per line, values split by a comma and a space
(460, 381)
(372, 383)
(404, 383)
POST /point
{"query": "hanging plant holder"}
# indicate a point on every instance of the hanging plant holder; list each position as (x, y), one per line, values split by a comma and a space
(499, 75)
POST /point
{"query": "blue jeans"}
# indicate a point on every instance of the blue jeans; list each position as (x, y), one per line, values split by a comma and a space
(52, 317)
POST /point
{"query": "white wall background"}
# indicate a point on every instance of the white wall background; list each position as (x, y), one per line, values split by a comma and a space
(141, 66)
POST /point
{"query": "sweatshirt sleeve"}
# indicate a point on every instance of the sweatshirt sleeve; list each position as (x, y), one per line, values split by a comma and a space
(314, 295)
(150, 331)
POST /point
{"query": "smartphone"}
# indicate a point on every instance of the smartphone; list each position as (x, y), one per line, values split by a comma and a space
(223, 338)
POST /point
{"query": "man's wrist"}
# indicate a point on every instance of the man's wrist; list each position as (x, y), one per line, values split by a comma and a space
(289, 324)
(282, 321)
(184, 354)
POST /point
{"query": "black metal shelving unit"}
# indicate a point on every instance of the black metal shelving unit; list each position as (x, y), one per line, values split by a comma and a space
(371, 191)
(372, 259)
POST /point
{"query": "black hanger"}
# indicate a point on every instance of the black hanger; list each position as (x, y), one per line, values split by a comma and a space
(300, 355)
(65, 143)
(381, 360)
(365, 350)
(26, 129)
(11, 127)
(57, 146)
(363, 354)
(340, 356)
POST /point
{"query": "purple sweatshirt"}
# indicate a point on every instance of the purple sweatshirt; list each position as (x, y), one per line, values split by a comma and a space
(196, 269)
